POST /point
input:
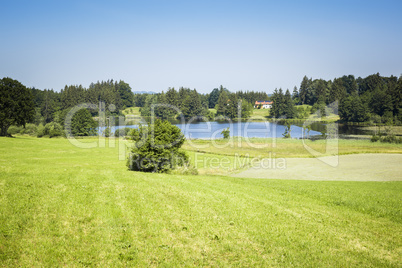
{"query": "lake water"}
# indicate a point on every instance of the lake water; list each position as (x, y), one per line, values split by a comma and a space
(212, 130)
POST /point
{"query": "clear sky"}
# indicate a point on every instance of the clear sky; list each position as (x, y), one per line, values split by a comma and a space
(153, 45)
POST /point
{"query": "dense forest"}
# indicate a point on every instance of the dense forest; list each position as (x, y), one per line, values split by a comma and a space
(374, 98)
(53, 106)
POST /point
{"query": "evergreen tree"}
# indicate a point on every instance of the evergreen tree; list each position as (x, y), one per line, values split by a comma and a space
(304, 86)
(192, 105)
(172, 97)
(289, 110)
(82, 123)
(246, 109)
(295, 96)
(337, 90)
(222, 102)
(281, 104)
(213, 98)
(157, 148)
(232, 106)
(126, 95)
(274, 111)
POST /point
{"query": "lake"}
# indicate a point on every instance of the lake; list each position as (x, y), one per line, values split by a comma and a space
(212, 130)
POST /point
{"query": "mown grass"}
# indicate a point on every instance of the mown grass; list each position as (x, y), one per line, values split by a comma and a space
(285, 148)
(65, 206)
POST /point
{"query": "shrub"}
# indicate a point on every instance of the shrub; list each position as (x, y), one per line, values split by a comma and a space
(375, 138)
(12, 130)
(30, 129)
(121, 132)
(53, 129)
(134, 134)
(40, 131)
(226, 133)
(107, 132)
(157, 148)
(287, 133)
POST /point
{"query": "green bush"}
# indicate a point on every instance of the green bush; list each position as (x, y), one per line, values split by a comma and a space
(391, 139)
(134, 134)
(40, 131)
(51, 129)
(375, 138)
(122, 132)
(107, 132)
(30, 129)
(157, 148)
(226, 133)
(12, 130)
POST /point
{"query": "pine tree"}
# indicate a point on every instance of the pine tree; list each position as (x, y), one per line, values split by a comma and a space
(289, 110)
(172, 97)
(222, 102)
(305, 84)
(295, 95)
(213, 98)
(232, 106)
(273, 112)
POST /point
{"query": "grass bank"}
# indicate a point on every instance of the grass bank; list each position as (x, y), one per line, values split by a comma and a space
(61, 205)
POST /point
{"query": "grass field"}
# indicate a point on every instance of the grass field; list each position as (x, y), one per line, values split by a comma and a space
(288, 148)
(132, 111)
(259, 114)
(352, 167)
(61, 205)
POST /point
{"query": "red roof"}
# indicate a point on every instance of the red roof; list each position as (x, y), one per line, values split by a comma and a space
(263, 102)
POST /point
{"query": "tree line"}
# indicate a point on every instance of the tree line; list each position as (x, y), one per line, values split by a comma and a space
(192, 104)
(54, 106)
(373, 98)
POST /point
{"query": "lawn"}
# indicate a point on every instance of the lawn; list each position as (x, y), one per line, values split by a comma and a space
(61, 205)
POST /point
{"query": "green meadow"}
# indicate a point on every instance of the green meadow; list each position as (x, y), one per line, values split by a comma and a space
(61, 205)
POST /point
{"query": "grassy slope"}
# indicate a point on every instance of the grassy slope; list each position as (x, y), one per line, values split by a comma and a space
(61, 205)
(131, 111)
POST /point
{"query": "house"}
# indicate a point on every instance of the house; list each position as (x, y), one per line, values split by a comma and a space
(264, 104)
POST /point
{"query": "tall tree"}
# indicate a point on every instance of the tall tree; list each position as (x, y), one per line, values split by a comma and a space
(232, 106)
(126, 95)
(289, 108)
(192, 105)
(16, 104)
(295, 96)
(304, 86)
(337, 90)
(82, 123)
(213, 98)
(172, 97)
(222, 102)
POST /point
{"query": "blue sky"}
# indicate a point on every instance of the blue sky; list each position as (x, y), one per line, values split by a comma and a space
(153, 45)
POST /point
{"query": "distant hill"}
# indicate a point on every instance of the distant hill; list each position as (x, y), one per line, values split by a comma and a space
(144, 92)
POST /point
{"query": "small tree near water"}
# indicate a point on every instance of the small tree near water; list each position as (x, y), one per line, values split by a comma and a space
(287, 133)
(226, 133)
(157, 148)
